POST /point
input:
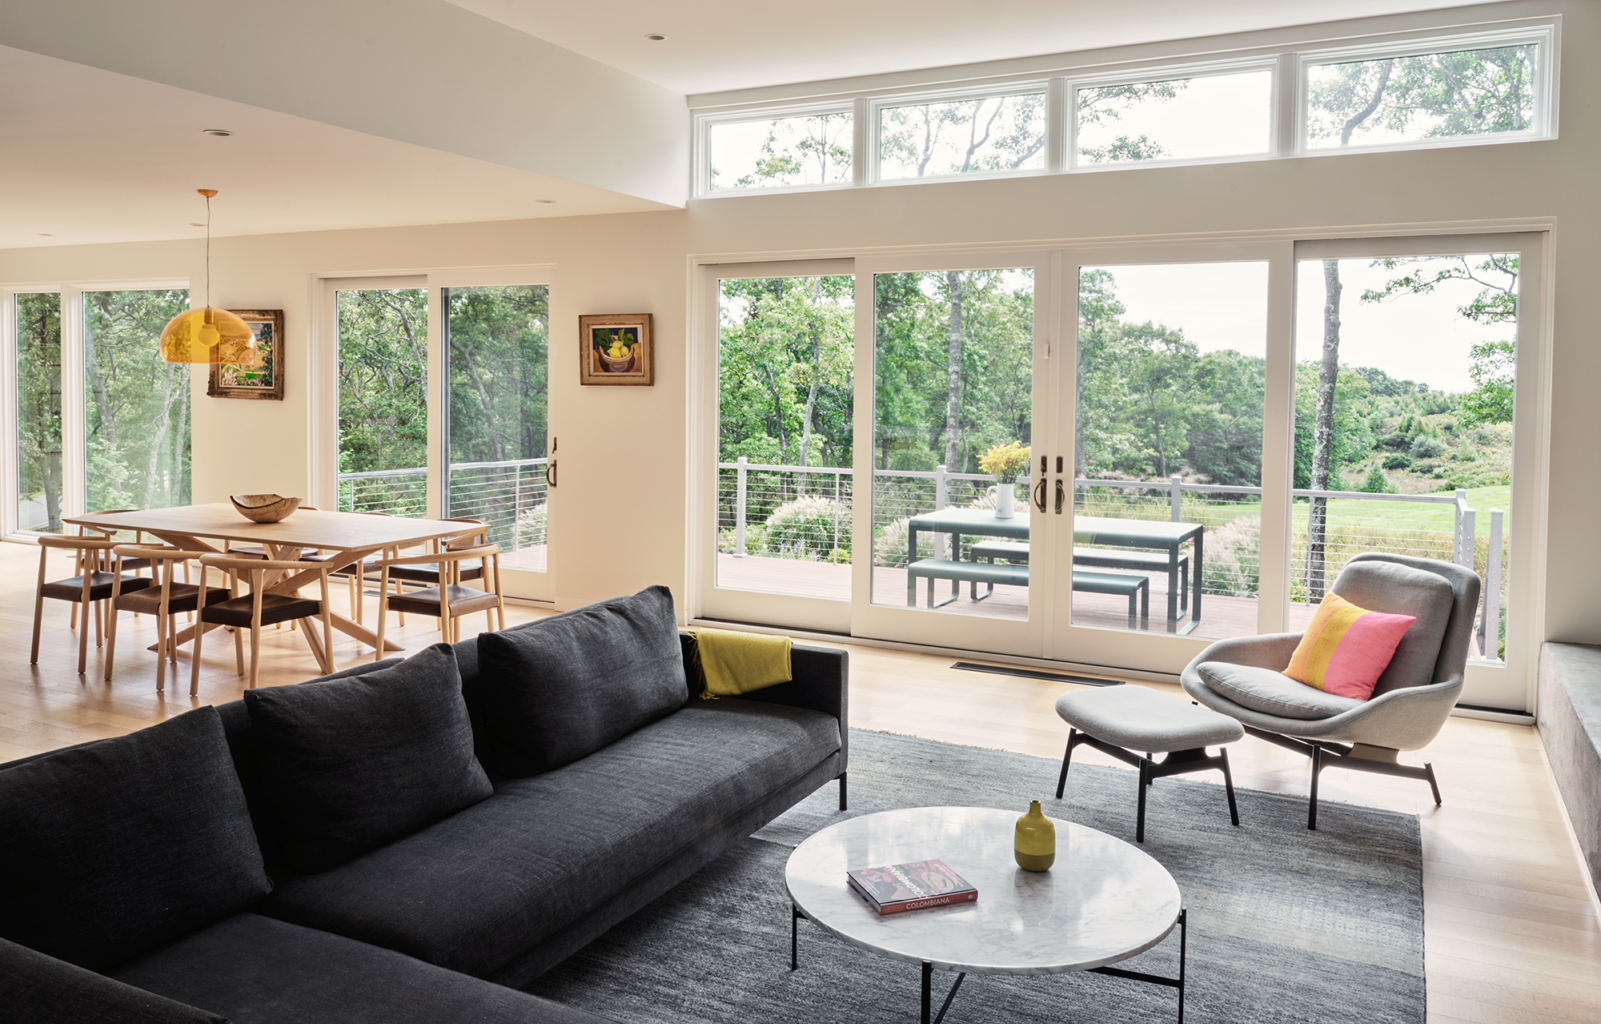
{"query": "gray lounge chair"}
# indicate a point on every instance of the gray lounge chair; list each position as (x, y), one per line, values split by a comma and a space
(1243, 677)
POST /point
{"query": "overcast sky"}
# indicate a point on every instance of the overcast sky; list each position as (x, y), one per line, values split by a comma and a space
(1224, 305)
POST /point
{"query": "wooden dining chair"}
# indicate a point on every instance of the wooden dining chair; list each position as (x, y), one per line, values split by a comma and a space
(162, 598)
(448, 601)
(92, 584)
(426, 572)
(356, 574)
(133, 566)
(259, 608)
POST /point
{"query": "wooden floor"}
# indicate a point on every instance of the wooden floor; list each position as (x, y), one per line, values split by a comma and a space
(1511, 934)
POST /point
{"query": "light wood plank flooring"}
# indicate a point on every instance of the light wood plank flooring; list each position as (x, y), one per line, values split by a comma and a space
(1511, 932)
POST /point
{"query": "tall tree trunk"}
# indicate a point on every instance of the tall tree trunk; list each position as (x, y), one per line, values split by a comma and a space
(52, 492)
(953, 386)
(811, 392)
(1323, 430)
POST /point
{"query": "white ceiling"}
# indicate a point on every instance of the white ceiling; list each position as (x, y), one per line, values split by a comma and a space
(92, 156)
(713, 47)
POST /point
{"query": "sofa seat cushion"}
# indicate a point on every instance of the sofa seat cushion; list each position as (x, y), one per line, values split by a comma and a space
(1273, 693)
(490, 883)
(257, 970)
(117, 847)
(39, 989)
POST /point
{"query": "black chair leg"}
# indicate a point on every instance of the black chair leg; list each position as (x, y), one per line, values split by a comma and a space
(842, 791)
(1228, 786)
(1317, 769)
(1139, 822)
(1067, 759)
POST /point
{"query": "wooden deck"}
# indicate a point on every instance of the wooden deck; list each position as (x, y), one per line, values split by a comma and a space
(1222, 617)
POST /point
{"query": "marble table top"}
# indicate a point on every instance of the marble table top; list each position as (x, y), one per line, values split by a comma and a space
(1102, 901)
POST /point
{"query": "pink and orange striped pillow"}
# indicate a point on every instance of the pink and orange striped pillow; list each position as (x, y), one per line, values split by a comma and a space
(1347, 648)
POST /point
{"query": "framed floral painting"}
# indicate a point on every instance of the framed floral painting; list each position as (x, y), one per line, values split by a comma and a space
(262, 380)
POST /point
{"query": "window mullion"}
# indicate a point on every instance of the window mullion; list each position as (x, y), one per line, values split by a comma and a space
(74, 421)
(864, 139)
(1287, 106)
(1058, 129)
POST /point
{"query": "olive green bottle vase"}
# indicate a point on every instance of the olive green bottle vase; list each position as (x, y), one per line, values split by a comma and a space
(1036, 840)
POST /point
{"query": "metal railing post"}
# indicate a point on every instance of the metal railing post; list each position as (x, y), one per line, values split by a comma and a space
(1177, 483)
(739, 510)
(1490, 619)
(941, 500)
(836, 517)
(1460, 506)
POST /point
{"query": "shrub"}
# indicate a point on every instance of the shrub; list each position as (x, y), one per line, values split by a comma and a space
(755, 540)
(1233, 558)
(1397, 461)
(531, 526)
(1426, 447)
(805, 528)
(889, 550)
(1376, 482)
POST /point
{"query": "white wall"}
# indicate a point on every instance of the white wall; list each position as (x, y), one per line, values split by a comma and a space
(623, 450)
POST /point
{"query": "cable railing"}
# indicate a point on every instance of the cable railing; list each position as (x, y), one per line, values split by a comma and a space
(804, 512)
(509, 495)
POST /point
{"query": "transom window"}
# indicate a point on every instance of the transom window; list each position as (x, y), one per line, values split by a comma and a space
(1464, 89)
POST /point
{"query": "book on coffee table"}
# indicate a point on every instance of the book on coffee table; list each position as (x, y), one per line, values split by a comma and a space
(897, 888)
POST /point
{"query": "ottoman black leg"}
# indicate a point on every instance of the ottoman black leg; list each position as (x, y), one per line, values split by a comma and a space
(1228, 785)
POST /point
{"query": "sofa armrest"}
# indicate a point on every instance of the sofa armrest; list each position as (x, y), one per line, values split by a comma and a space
(39, 989)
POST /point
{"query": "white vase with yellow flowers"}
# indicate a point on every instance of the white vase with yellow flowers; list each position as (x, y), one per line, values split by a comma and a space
(1005, 462)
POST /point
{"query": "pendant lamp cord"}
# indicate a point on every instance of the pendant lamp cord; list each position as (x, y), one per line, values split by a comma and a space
(208, 251)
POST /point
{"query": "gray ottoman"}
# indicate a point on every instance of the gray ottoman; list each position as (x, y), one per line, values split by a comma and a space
(1119, 720)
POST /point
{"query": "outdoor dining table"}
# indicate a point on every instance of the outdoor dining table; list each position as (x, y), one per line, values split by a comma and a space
(346, 538)
(1157, 535)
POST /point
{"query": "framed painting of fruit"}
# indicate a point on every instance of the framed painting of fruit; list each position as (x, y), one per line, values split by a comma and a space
(616, 349)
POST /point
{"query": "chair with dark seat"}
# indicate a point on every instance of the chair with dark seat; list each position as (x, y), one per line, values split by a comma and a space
(426, 572)
(1244, 679)
(450, 600)
(261, 607)
(92, 584)
(162, 598)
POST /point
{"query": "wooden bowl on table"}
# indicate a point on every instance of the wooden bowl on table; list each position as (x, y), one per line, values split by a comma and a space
(264, 508)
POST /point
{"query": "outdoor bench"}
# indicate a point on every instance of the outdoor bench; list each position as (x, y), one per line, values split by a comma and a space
(1136, 588)
(1094, 558)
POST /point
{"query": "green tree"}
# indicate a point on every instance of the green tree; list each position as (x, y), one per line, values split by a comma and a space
(39, 405)
(1492, 371)
(1109, 103)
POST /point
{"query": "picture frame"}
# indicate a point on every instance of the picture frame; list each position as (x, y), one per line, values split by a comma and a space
(616, 349)
(231, 380)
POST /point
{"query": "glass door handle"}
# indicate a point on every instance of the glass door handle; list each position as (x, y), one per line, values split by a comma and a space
(1061, 496)
(1039, 495)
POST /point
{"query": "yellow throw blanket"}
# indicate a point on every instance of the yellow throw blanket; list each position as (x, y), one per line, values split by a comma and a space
(734, 663)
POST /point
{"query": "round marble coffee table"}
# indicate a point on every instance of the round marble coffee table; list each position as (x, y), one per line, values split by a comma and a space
(1103, 901)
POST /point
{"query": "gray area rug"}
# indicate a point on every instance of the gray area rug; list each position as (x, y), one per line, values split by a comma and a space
(1284, 924)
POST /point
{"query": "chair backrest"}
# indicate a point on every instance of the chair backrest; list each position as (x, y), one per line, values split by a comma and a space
(97, 550)
(162, 559)
(1435, 649)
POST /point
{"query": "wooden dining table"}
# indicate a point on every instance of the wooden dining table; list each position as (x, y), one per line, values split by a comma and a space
(346, 538)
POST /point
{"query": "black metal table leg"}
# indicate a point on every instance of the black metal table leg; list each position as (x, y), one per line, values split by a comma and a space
(928, 978)
(1157, 979)
(794, 937)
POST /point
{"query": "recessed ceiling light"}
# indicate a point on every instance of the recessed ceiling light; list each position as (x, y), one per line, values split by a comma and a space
(544, 201)
(655, 37)
(46, 234)
(197, 223)
(221, 133)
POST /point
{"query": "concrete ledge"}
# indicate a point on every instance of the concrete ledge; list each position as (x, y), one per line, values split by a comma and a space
(1570, 727)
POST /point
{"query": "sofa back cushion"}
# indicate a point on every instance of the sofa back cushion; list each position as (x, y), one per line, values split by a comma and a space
(557, 690)
(1403, 590)
(118, 847)
(350, 764)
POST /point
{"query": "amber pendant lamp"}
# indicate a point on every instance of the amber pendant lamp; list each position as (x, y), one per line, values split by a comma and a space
(208, 335)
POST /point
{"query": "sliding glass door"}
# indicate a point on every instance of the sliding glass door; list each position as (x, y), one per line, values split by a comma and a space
(443, 406)
(1116, 455)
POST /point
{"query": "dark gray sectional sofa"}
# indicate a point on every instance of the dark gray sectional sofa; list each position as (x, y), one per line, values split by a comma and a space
(284, 859)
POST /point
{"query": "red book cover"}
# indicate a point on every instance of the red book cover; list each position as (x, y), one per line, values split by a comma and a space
(897, 888)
